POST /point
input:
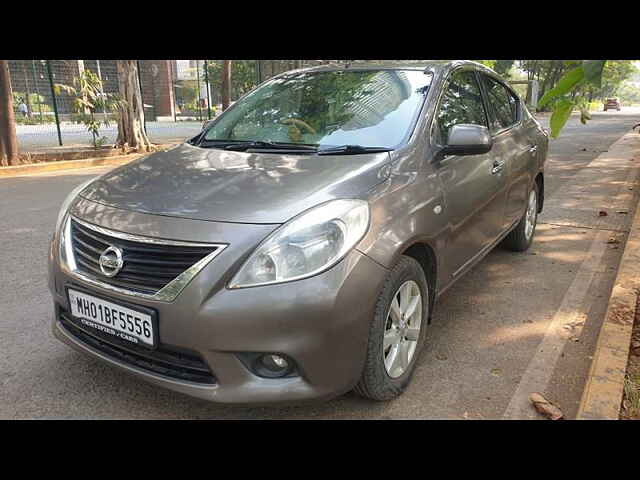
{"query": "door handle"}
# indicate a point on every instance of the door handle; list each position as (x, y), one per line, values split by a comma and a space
(533, 148)
(497, 167)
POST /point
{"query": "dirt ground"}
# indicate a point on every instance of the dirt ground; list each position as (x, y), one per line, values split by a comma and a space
(630, 408)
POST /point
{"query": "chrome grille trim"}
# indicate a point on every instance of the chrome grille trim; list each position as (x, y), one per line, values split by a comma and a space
(168, 293)
(142, 239)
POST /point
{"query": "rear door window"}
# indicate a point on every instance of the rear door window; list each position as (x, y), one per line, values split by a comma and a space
(503, 105)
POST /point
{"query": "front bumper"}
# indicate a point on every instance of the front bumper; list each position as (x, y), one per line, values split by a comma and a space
(321, 323)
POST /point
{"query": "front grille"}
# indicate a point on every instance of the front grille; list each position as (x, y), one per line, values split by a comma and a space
(164, 361)
(147, 268)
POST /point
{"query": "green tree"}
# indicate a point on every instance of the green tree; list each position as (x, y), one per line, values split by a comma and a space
(243, 77)
(88, 96)
(569, 84)
(564, 95)
(629, 93)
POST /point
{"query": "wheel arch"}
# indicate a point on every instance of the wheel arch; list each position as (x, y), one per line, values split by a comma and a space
(424, 254)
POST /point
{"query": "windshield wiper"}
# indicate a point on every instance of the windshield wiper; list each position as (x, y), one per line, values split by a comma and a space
(259, 144)
(352, 150)
(216, 143)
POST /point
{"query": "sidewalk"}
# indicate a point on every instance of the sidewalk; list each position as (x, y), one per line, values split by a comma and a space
(69, 158)
(603, 392)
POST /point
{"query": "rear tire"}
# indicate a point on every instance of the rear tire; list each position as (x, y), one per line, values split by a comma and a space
(387, 372)
(520, 238)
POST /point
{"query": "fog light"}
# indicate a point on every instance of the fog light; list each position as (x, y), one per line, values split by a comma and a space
(275, 363)
(269, 365)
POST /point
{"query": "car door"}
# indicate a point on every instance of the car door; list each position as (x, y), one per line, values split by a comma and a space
(512, 146)
(473, 185)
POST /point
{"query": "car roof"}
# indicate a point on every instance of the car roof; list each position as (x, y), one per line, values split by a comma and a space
(435, 65)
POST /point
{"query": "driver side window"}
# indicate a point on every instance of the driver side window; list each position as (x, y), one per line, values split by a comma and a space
(460, 103)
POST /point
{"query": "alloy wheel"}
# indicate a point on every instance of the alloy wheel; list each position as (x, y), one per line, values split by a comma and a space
(402, 329)
(531, 215)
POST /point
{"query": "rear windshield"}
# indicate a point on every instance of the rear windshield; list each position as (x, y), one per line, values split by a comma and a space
(371, 108)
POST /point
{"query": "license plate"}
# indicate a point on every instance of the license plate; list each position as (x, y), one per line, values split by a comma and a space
(108, 317)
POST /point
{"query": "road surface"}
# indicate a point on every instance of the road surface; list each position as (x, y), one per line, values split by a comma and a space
(485, 348)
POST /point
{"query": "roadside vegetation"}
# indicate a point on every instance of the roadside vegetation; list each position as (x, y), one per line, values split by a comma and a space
(630, 408)
(88, 99)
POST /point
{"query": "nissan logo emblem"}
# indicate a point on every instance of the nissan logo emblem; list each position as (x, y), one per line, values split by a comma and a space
(111, 261)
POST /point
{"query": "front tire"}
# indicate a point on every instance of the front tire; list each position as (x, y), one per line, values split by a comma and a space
(520, 238)
(397, 332)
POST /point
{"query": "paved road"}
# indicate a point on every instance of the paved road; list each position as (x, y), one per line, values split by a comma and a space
(39, 137)
(486, 345)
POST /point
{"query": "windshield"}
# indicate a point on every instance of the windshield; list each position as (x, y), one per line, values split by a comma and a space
(371, 108)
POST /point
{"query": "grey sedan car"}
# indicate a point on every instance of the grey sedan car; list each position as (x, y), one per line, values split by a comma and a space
(295, 248)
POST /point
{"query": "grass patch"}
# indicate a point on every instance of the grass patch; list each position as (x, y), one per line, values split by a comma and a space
(631, 402)
(630, 408)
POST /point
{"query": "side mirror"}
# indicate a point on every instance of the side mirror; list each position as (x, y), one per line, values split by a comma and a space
(468, 139)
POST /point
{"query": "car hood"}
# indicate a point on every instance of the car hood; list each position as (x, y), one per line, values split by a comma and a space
(227, 186)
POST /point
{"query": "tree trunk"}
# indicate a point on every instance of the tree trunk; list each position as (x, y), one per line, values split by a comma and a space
(131, 118)
(226, 84)
(8, 141)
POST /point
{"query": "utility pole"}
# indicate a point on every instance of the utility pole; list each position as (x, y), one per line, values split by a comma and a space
(54, 101)
(8, 141)
(35, 85)
(226, 84)
(104, 108)
(27, 95)
(206, 79)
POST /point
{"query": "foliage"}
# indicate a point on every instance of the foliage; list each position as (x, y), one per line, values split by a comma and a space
(243, 77)
(88, 97)
(578, 87)
(34, 120)
(487, 63)
(594, 106)
(187, 95)
(501, 67)
(628, 93)
(79, 118)
(37, 101)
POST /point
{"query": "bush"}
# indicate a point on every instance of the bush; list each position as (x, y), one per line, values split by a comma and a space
(595, 106)
(80, 118)
(37, 102)
(34, 119)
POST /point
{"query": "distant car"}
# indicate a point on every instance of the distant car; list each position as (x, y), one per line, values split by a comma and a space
(612, 103)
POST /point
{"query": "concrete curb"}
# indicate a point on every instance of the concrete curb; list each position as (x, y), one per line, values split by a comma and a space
(602, 395)
(20, 170)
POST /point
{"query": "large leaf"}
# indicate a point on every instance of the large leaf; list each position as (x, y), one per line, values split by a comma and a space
(565, 84)
(560, 115)
(593, 71)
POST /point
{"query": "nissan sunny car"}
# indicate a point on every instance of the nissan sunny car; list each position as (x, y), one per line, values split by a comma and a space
(295, 248)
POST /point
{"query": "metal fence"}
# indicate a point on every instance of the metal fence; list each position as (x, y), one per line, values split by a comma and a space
(178, 95)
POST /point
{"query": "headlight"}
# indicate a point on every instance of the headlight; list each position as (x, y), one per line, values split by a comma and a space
(306, 245)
